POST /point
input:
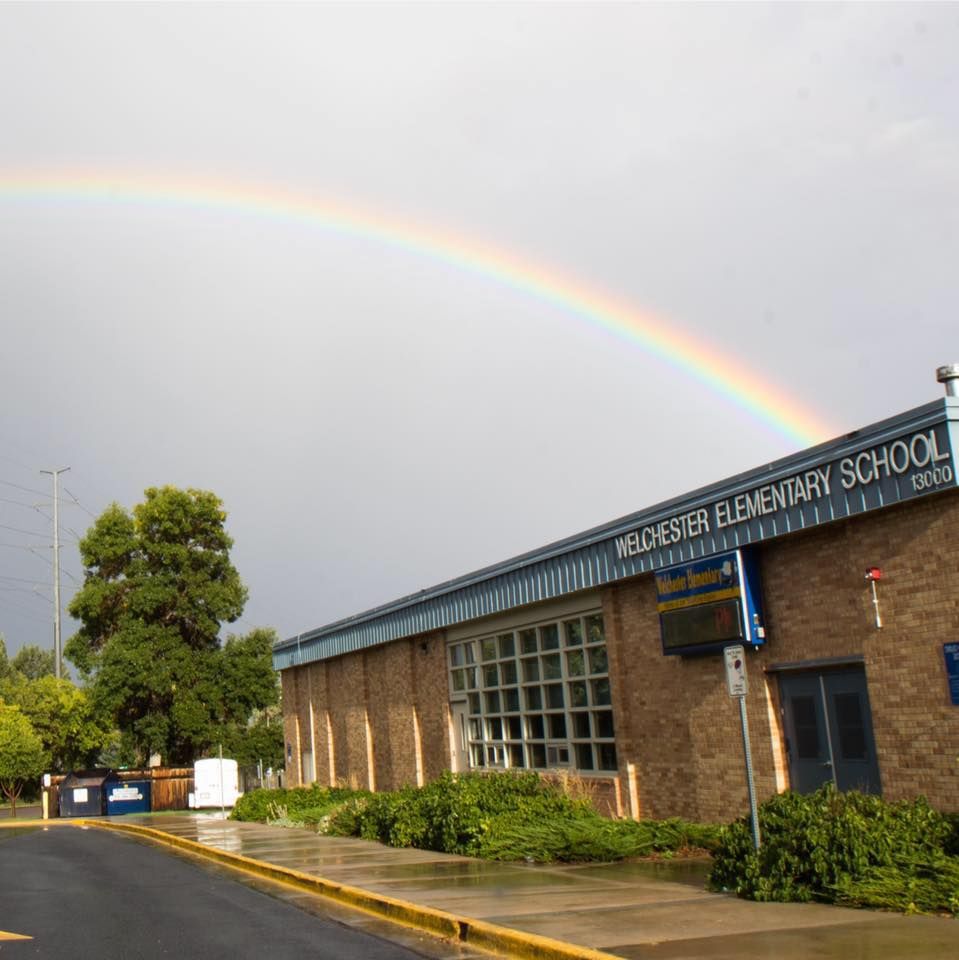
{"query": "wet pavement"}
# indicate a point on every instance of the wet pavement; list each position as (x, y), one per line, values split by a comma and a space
(632, 910)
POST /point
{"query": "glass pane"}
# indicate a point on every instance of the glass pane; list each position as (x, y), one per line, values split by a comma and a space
(494, 756)
(597, 660)
(477, 756)
(516, 755)
(574, 663)
(506, 646)
(574, 632)
(584, 756)
(557, 726)
(534, 727)
(456, 656)
(852, 735)
(474, 703)
(534, 698)
(537, 755)
(552, 670)
(527, 641)
(459, 681)
(601, 695)
(494, 728)
(581, 726)
(491, 675)
(807, 727)
(476, 729)
(549, 636)
(554, 696)
(511, 701)
(471, 677)
(577, 694)
(607, 756)
(514, 728)
(508, 671)
(604, 723)
(531, 669)
(594, 629)
(492, 701)
(469, 652)
(488, 648)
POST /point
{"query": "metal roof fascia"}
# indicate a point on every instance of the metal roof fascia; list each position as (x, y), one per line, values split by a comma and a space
(463, 598)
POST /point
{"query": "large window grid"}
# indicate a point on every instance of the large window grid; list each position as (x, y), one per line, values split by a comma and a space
(538, 696)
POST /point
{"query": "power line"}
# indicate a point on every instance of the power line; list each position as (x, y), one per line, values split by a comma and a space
(20, 530)
(17, 486)
(80, 505)
(3, 576)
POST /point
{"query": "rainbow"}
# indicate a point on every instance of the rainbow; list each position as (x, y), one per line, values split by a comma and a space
(737, 383)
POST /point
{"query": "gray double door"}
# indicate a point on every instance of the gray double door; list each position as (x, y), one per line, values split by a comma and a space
(829, 730)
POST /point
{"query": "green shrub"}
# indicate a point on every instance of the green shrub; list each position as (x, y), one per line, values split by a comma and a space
(830, 846)
(452, 814)
(507, 816)
(590, 837)
(256, 805)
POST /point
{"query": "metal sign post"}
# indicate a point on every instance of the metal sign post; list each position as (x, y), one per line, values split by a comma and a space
(738, 686)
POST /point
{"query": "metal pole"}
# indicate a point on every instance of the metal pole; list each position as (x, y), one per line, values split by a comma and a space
(222, 805)
(57, 650)
(750, 783)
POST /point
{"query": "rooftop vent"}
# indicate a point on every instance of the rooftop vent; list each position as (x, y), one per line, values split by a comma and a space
(949, 375)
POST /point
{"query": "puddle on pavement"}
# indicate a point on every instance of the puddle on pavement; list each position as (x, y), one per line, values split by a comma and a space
(692, 873)
(930, 938)
(8, 833)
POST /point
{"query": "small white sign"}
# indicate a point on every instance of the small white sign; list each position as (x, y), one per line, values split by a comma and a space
(125, 793)
(736, 671)
(80, 795)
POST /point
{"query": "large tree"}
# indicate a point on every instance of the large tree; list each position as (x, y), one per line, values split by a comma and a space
(22, 757)
(34, 663)
(63, 716)
(158, 586)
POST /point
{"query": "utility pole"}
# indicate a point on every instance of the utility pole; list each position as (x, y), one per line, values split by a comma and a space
(57, 652)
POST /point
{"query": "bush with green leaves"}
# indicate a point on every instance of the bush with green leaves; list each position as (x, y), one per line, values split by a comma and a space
(850, 847)
(454, 813)
(508, 816)
(302, 804)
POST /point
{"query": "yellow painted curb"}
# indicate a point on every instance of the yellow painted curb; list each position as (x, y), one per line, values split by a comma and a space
(477, 933)
(14, 822)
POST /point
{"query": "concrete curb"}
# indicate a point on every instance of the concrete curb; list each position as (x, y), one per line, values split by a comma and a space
(477, 933)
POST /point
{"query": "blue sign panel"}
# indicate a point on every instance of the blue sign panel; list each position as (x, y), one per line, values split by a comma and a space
(706, 604)
(951, 651)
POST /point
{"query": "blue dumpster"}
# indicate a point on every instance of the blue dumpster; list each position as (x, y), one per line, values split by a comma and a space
(83, 793)
(128, 796)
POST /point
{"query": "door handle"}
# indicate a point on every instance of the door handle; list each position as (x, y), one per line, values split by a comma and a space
(827, 763)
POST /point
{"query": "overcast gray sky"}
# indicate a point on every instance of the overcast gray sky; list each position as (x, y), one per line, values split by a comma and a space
(778, 183)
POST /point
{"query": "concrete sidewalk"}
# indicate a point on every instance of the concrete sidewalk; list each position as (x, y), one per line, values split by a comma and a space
(632, 910)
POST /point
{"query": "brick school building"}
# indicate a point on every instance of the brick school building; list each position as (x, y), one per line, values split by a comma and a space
(835, 569)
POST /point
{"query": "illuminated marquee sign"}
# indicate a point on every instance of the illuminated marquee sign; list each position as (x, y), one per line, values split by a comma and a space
(704, 605)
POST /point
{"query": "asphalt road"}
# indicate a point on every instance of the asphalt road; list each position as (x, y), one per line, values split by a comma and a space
(88, 894)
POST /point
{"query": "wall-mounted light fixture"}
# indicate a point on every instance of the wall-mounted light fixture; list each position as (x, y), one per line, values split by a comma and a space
(873, 576)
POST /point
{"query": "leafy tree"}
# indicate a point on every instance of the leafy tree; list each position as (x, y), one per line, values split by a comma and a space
(5, 668)
(258, 741)
(63, 716)
(34, 663)
(22, 757)
(158, 585)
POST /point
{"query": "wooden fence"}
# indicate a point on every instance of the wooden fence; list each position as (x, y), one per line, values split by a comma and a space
(170, 787)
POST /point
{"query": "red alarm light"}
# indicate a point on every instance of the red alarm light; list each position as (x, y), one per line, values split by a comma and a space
(874, 573)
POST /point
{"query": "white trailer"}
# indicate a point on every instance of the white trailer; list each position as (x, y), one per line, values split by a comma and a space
(216, 783)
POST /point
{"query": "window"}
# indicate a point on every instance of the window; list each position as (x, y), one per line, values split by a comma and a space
(542, 696)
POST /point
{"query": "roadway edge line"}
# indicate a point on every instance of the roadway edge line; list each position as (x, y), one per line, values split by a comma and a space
(458, 928)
